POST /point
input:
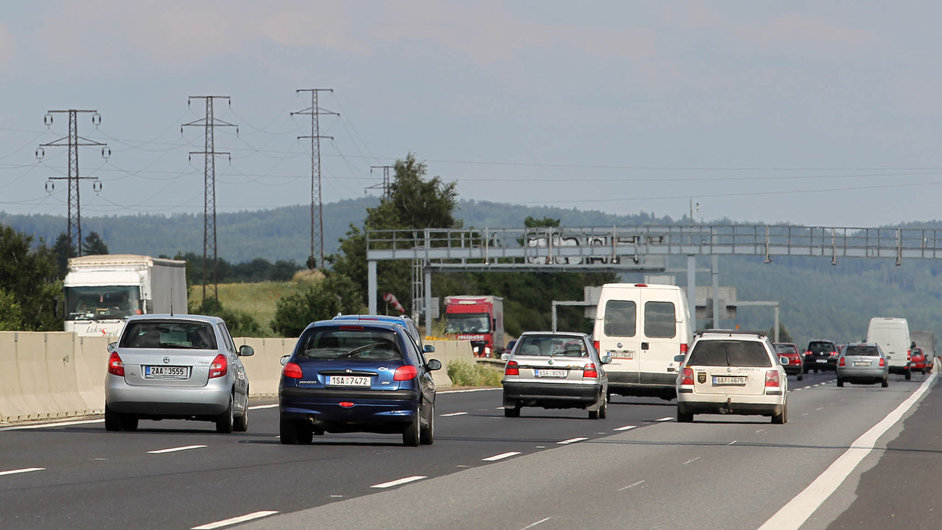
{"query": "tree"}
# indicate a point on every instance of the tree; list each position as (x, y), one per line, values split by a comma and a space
(62, 251)
(319, 300)
(94, 245)
(29, 282)
(239, 324)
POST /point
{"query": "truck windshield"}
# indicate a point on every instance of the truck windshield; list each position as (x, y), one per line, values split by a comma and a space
(467, 323)
(102, 302)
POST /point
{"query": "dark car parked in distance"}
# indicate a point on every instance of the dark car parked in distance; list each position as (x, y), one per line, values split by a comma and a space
(789, 352)
(820, 355)
(364, 375)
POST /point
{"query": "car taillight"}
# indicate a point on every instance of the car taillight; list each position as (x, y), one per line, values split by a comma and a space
(909, 355)
(596, 344)
(590, 370)
(840, 362)
(683, 349)
(220, 366)
(687, 377)
(405, 373)
(512, 368)
(882, 362)
(292, 371)
(771, 379)
(808, 352)
(115, 366)
(833, 353)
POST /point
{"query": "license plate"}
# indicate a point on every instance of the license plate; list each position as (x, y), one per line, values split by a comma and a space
(720, 380)
(622, 354)
(821, 361)
(551, 373)
(861, 363)
(348, 380)
(166, 372)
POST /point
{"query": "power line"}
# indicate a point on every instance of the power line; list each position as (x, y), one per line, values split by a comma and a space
(209, 124)
(387, 188)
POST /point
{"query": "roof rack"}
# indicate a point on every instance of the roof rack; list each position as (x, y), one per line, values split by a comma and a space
(760, 334)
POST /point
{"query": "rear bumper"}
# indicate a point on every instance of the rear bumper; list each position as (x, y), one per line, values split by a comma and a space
(811, 363)
(899, 369)
(363, 410)
(549, 394)
(765, 404)
(861, 374)
(167, 401)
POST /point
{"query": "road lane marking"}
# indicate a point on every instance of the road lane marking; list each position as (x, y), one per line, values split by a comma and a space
(631, 485)
(761, 430)
(398, 482)
(625, 428)
(802, 506)
(53, 424)
(175, 449)
(453, 414)
(666, 418)
(466, 390)
(730, 443)
(24, 470)
(820, 408)
(692, 460)
(259, 407)
(571, 441)
(501, 456)
(541, 521)
(235, 520)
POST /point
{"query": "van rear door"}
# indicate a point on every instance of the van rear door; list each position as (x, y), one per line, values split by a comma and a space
(659, 339)
(620, 337)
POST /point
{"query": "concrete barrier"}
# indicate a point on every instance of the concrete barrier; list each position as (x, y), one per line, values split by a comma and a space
(447, 351)
(13, 406)
(91, 362)
(264, 368)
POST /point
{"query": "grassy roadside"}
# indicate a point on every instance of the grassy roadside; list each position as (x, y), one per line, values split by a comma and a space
(258, 300)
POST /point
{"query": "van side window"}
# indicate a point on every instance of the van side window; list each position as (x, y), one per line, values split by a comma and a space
(659, 320)
(621, 318)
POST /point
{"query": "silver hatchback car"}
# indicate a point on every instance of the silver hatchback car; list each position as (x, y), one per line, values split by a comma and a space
(555, 370)
(176, 367)
(863, 362)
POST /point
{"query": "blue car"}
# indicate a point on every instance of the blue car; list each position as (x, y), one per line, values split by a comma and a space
(364, 375)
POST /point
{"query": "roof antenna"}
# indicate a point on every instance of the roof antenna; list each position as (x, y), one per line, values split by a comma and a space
(171, 301)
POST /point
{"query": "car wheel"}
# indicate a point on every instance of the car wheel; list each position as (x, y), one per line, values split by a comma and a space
(428, 432)
(885, 383)
(603, 409)
(112, 420)
(840, 382)
(909, 375)
(782, 417)
(683, 417)
(241, 423)
(512, 412)
(411, 437)
(608, 395)
(128, 422)
(294, 432)
(226, 420)
(801, 375)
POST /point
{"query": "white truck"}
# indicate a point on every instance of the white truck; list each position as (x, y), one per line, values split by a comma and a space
(101, 290)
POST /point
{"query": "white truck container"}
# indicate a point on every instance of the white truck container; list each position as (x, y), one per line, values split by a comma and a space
(102, 290)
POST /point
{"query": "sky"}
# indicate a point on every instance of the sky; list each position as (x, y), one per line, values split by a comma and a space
(806, 112)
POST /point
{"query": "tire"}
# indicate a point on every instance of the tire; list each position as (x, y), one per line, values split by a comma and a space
(226, 421)
(412, 437)
(683, 417)
(512, 412)
(241, 423)
(603, 409)
(801, 375)
(128, 422)
(112, 420)
(294, 432)
(909, 375)
(427, 433)
(781, 419)
(840, 382)
(885, 383)
(608, 395)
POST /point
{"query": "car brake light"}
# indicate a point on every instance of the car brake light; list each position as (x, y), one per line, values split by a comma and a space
(596, 344)
(220, 366)
(833, 353)
(882, 363)
(405, 373)
(909, 355)
(115, 366)
(292, 371)
(808, 352)
(841, 362)
(590, 370)
(771, 379)
(512, 368)
(687, 377)
(641, 285)
(346, 404)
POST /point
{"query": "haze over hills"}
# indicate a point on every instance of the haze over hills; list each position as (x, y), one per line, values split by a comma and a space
(817, 299)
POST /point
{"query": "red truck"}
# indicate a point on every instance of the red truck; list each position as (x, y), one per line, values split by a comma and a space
(479, 319)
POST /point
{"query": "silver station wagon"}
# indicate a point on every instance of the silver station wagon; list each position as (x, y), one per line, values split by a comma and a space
(863, 362)
(555, 370)
(176, 367)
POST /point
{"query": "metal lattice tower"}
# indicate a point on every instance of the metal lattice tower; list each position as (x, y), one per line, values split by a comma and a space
(317, 213)
(73, 141)
(209, 123)
(386, 185)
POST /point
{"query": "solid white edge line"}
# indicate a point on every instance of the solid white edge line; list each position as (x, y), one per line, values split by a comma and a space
(24, 470)
(466, 390)
(53, 424)
(235, 520)
(571, 441)
(175, 449)
(259, 407)
(450, 414)
(625, 428)
(501, 456)
(802, 506)
(392, 483)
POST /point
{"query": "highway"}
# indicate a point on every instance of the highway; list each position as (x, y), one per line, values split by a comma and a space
(547, 469)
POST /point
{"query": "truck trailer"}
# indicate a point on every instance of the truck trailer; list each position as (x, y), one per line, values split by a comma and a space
(102, 290)
(479, 319)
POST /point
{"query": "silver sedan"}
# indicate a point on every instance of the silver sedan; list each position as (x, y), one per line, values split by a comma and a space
(176, 367)
(863, 362)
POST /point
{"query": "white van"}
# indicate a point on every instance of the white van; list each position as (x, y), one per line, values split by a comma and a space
(642, 327)
(892, 334)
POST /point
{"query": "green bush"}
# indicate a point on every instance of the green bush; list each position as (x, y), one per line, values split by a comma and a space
(464, 374)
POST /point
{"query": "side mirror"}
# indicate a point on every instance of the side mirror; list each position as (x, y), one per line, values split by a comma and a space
(428, 348)
(433, 364)
(679, 358)
(605, 359)
(246, 351)
(505, 356)
(284, 359)
(112, 347)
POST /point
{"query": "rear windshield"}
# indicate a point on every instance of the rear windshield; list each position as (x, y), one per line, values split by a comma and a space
(551, 346)
(358, 344)
(180, 335)
(621, 318)
(786, 348)
(659, 321)
(868, 351)
(819, 347)
(729, 353)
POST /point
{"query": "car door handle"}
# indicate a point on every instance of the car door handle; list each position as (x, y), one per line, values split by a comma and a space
(644, 346)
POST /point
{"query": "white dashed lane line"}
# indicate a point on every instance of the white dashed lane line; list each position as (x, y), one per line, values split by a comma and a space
(531, 525)
(571, 441)
(24, 470)
(450, 414)
(398, 482)
(625, 428)
(501, 456)
(666, 418)
(260, 407)
(175, 449)
(629, 486)
(235, 520)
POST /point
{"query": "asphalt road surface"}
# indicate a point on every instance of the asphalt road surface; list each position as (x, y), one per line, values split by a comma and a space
(547, 469)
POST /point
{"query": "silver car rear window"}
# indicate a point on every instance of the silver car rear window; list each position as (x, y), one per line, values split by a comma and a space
(866, 351)
(168, 334)
(729, 353)
(550, 346)
(345, 343)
